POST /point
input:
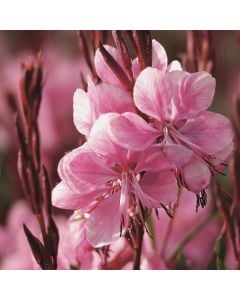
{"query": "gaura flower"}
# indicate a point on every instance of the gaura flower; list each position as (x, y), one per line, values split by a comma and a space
(175, 104)
(102, 179)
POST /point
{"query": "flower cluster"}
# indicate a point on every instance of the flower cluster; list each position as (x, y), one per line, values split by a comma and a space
(147, 135)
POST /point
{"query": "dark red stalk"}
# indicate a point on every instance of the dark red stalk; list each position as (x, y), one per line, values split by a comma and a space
(200, 52)
(86, 51)
(228, 220)
(143, 44)
(116, 68)
(32, 173)
(123, 50)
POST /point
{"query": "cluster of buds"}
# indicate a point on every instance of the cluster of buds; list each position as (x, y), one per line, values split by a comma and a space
(33, 174)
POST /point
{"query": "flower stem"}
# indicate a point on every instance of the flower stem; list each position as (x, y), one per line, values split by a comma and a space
(138, 246)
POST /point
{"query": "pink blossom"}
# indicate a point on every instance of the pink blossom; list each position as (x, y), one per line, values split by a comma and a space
(102, 179)
(174, 104)
(75, 250)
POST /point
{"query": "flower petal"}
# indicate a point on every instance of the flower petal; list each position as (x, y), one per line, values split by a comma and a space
(194, 94)
(82, 112)
(159, 59)
(159, 56)
(101, 142)
(152, 93)
(211, 132)
(161, 186)
(103, 225)
(102, 68)
(197, 176)
(63, 197)
(163, 157)
(132, 132)
(84, 171)
(110, 98)
(174, 66)
(221, 158)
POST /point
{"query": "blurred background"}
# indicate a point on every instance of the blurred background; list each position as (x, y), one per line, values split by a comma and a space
(63, 65)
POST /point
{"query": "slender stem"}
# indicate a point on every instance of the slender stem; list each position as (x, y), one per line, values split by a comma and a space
(138, 246)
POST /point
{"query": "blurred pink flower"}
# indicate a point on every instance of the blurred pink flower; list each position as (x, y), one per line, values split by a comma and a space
(74, 249)
(17, 253)
(172, 234)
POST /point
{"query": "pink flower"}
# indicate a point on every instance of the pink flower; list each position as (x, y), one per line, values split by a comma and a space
(103, 180)
(174, 104)
(17, 254)
(74, 249)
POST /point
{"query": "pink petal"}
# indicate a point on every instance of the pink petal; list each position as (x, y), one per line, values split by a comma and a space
(163, 157)
(159, 56)
(174, 66)
(136, 69)
(196, 175)
(194, 94)
(82, 112)
(211, 132)
(159, 59)
(110, 98)
(222, 157)
(161, 186)
(103, 70)
(63, 197)
(103, 225)
(145, 199)
(152, 93)
(101, 142)
(84, 171)
(132, 132)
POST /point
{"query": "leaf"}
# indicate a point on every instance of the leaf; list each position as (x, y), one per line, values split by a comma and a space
(37, 247)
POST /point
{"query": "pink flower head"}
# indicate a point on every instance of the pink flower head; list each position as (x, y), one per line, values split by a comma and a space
(103, 180)
(175, 103)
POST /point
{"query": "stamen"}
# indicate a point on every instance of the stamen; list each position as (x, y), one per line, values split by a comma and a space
(78, 215)
(166, 210)
(201, 199)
